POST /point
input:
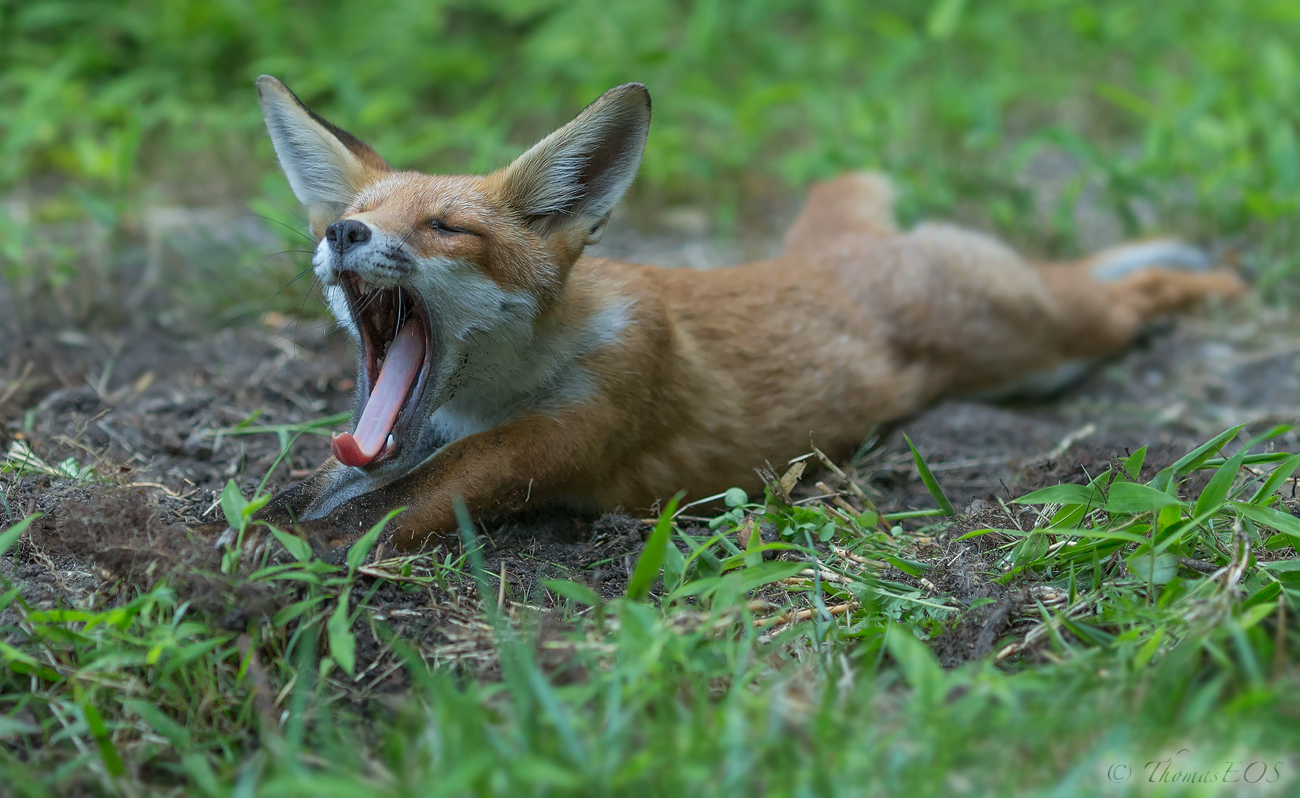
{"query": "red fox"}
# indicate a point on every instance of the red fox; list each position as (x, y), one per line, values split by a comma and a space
(498, 364)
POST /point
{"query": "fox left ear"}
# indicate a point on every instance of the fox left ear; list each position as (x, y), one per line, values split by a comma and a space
(570, 181)
(327, 166)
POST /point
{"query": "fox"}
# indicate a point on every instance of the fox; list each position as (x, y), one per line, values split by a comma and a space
(499, 366)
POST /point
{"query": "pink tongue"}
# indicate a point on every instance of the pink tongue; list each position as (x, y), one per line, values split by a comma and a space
(405, 356)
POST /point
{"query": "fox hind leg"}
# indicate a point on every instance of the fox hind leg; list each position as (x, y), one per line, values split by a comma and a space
(1159, 277)
(858, 203)
(1108, 298)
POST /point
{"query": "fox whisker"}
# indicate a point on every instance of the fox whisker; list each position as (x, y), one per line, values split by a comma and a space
(293, 230)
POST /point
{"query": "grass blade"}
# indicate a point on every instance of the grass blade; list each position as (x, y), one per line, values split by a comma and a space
(1285, 523)
(1196, 457)
(1087, 495)
(1276, 479)
(343, 644)
(652, 556)
(358, 551)
(1133, 498)
(573, 591)
(298, 548)
(1216, 492)
(931, 484)
(10, 536)
(175, 733)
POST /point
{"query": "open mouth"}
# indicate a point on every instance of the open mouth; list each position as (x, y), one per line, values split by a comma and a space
(397, 345)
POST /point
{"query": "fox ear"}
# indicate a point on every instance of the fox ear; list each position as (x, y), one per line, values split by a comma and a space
(326, 166)
(572, 179)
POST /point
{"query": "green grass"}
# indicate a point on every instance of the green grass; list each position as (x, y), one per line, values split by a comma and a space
(1189, 111)
(1164, 622)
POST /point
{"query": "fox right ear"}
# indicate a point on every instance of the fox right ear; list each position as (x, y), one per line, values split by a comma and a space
(570, 181)
(326, 166)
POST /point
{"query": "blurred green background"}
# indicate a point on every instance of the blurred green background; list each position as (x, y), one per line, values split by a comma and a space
(1182, 115)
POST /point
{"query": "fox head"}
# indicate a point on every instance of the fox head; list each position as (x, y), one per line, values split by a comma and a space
(439, 278)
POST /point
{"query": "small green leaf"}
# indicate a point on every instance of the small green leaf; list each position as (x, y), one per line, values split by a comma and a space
(1131, 497)
(357, 553)
(1168, 516)
(256, 504)
(910, 567)
(1161, 572)
(1216, 492)
(674, 567)
(343, 644)
(1086, 495)
(298, 548)
(735, 497)
(1266, 593)
(753, 555)
(543, 773)
(1086, 632)
(931, 484)
(573, 591)
(1069, 515)
(232, 506)
(652, 557)
(1133, 463)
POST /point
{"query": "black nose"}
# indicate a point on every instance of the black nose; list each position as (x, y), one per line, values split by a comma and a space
(345, 234)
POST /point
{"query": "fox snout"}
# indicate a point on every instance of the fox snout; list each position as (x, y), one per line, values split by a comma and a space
(344, 234)
(353, 246)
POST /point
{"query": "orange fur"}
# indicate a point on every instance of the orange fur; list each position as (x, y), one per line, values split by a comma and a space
(715, 372)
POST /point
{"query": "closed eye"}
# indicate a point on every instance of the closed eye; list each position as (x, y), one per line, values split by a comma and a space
(439, 226)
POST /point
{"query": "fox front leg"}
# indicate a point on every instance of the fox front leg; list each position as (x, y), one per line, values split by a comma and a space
(292, 504)
(530, 459)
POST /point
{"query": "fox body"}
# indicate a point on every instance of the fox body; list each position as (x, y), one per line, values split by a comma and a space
(499, 365)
